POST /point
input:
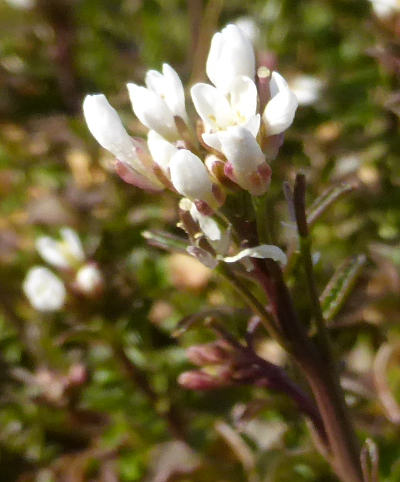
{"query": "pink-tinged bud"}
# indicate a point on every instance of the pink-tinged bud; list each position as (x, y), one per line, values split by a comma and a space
(246, 164)
(106, 127)
(272, 144)
(130, 176)
(209, 354)
(200, 380)
(217, 168)
(77, 375)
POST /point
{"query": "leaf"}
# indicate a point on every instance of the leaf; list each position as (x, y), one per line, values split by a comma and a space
(340, 286)
(323, 202)
(166, 241)
(213, 313)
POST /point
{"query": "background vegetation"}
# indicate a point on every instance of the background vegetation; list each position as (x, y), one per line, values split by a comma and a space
(120, 423)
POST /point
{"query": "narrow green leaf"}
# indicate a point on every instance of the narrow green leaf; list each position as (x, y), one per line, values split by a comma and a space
(166, 241)
(327, 198)
(340, 286)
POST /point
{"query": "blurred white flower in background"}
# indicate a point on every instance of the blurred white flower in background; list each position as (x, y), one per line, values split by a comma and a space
(89, 279)
(45, 291)
(306, 88)
(65, 253)
(23, 4)
(385, 8)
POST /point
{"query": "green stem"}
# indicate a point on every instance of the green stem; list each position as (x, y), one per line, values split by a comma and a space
(323, 376)
(261, 210)
(254, 304)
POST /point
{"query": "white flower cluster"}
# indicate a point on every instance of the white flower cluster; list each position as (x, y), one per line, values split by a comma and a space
(45, 290)
(231, 126)
(229, 152)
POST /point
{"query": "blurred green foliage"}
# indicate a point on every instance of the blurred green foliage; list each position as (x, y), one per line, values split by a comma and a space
(53, 174)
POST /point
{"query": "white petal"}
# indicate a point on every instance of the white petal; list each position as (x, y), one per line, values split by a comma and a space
(212, 106)
(279, 112)
(262, 251)
(161, 150)
(45, 291)
(106, 127)
(51, 251)
(253, 124)
(152, 111)
(306, 88)
(277, 84)
(175, 96)
(241, 149)
(243, 97)
(168, 86)
(212, 140)
(73, 243)
(214, 55)
(231, 55)
(207, 224)
(190, 176)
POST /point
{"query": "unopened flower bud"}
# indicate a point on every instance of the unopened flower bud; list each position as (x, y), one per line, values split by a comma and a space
(89, 280)
(106, 127)
(208, 354)
(77, 375)
(231, 55)
(200, 380)
(246, 162)
(191, 179)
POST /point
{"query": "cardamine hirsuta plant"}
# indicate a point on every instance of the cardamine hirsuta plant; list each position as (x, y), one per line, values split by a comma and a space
(220, 165)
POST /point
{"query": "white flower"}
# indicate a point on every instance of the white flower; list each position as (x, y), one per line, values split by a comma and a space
(23, 4)
(219, 111)
(246, 162)
(65, 253)
(279, 112)
(159, 102)
(89, 279)
(385, 8)
(191, 179)
(133, 165)
(45, 291)
(231, 55)
(249, 27)
(306, 88)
